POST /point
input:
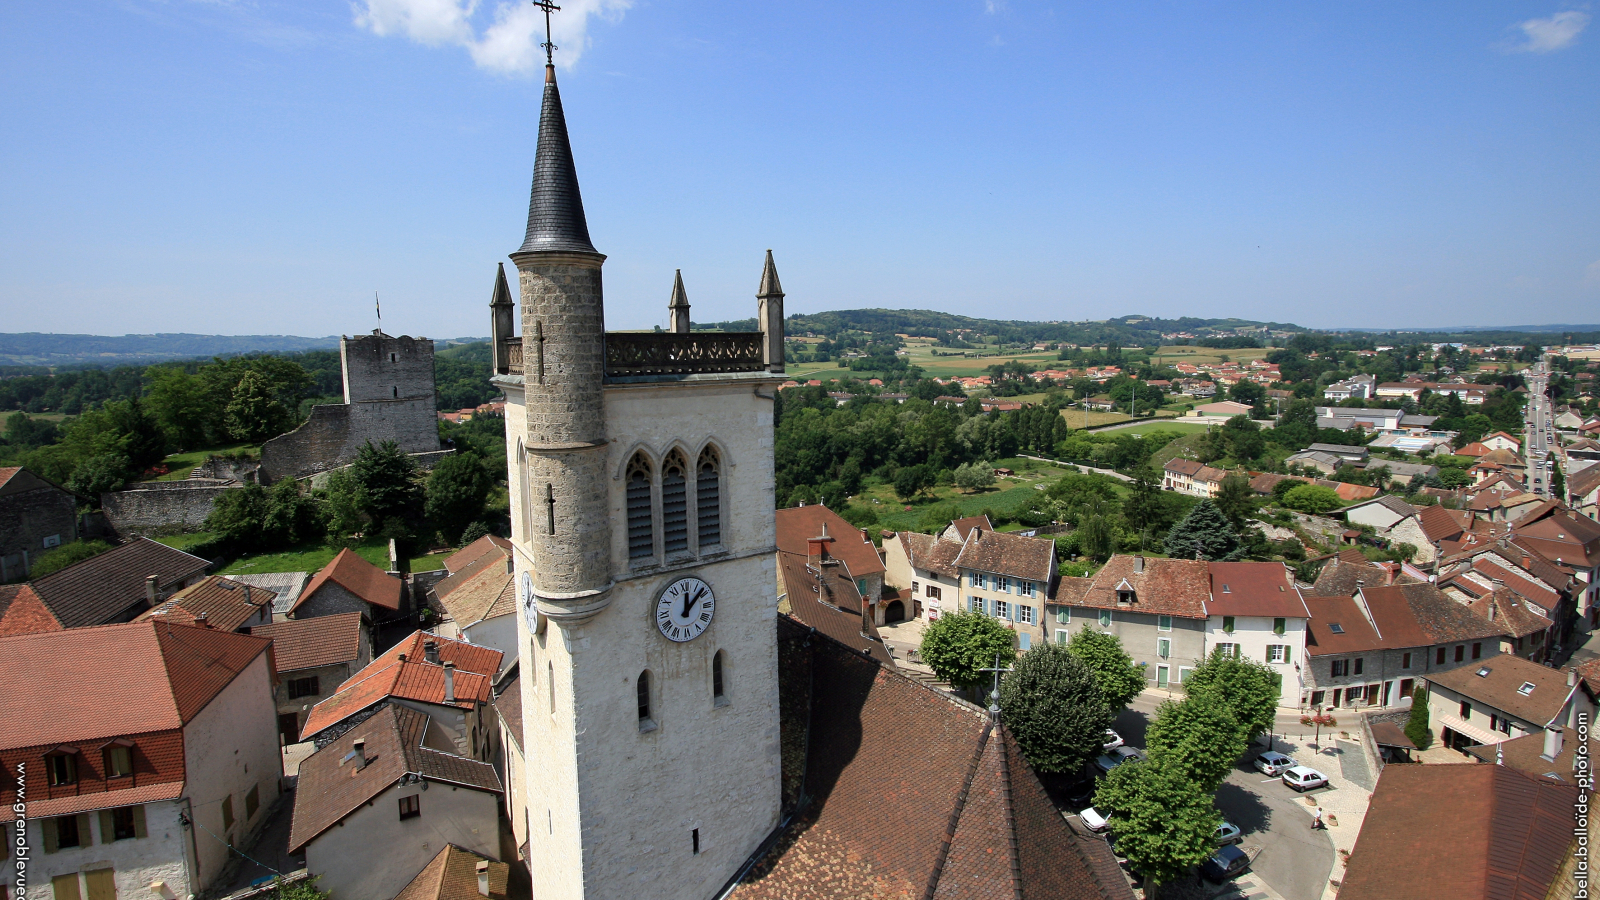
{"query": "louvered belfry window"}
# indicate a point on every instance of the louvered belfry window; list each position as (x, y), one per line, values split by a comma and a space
(641, 522)
(708, 499)
(675, 503)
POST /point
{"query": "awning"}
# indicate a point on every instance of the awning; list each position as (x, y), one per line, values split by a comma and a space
(1481, 735)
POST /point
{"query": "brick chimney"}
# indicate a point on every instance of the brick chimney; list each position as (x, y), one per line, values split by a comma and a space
(449, 682)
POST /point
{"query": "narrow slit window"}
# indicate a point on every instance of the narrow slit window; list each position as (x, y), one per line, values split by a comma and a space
(708, 499)
(716, 677)
(643, 688)
(641, 524)
(675, 503)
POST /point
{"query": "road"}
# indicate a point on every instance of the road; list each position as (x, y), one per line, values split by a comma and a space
(1294, 860)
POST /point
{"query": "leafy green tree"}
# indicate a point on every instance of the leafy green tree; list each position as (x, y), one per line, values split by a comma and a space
(1558, 482)
(253, 413)
(473, 532)
(1202, 534)
(1144, 509)
(937, 516)
(1312, 498)
(912, 480)
(1248, 688)
(957, 645)
(65, 555)
(1162, 821)
(182, 403)
(1243, 437)
(1114, 671)
(24, 432)
(391, 496)
(100, 474)
(344, 505)
(974, 476)
(1417, 723)
(1236, 500)
(1097, 536)
(237, 518)
(1052, 704)
(457, 489)
(1199, 735)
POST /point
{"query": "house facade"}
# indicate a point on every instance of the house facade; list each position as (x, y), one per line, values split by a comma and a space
(1192, 477)
(1256, 611)
(969, 566)
(314, 657)
(1156, 607)
(1504, 698)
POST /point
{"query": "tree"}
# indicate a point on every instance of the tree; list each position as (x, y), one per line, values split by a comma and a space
(957, 645)
(258, 518)
(1417, 724)
(1054, 708)
(65, 555)
(1114, 671)
(99, 474)
(389, 493)
(912, 480)
(1202, 534)
(1200, 736)
(1248, 688)
(457, 489)
(1162, 821)
(253, 413)
(1236, 500)
(237, 517)
(1243, 437)
(1312, 498)
(1144, 509)
(344, 501)
(183, 404)
(1558, 482)
(974, 475)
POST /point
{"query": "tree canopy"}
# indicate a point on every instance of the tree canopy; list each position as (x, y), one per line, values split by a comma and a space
(1248, 688)
(956, 645)
(1053, 706)
(1204, 533)
(1114, 671)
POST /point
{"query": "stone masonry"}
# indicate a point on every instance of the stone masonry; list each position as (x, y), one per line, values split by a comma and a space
(163, 507)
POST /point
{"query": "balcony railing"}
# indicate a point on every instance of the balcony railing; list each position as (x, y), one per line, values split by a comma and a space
(514, 356)
(682, 354)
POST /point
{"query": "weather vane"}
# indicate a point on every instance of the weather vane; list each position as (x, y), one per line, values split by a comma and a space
(548, 45)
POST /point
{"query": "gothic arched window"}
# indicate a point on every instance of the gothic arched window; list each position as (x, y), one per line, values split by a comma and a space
(708, 499)
(641, 520)
(675, 503)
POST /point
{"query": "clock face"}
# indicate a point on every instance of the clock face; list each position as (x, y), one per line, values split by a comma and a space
(684, 610)
(530, 603)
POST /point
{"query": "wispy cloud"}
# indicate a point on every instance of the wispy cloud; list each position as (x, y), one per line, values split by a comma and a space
(993, 7)
(508, 45)
(1549, 35)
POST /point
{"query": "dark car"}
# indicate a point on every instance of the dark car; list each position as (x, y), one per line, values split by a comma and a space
(1224, 864)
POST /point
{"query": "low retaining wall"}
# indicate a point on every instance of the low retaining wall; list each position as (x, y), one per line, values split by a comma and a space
(163, 507)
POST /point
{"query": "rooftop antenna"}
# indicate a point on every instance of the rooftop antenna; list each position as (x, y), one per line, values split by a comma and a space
(548, 45)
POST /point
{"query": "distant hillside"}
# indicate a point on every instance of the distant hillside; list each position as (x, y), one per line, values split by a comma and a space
(1127, 330)
(37, 349)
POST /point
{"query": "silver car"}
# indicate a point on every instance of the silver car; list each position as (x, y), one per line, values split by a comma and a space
(1116, 758)
(1303, 779)
(1272, 763)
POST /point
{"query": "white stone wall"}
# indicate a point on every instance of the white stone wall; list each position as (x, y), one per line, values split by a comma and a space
(373, 854)
(1254, 634)
(231, 746)
(613, 808)
(160, 856)
(500, 633)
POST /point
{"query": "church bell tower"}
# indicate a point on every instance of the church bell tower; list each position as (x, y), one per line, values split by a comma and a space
(641, 476)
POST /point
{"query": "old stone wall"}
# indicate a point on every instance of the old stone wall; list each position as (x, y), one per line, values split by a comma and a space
(380, 367)
(163, 507)
(31, 518)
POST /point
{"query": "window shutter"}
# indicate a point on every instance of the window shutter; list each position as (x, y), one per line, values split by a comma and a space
(1287, 654)
(51, 841)
(85, 836)
(108, 827)
(65, 887)
(138, 822)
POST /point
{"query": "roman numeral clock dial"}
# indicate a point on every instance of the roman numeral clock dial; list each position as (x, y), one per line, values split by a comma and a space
(684, 609)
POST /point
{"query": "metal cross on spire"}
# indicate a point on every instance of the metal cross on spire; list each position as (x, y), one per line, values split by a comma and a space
(548, 45)
(994, 695)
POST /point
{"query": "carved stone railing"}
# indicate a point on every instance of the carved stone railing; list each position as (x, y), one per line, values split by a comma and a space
(682, 354)
(513, 356)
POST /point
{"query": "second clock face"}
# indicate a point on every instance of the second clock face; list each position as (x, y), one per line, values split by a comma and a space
(685, 609)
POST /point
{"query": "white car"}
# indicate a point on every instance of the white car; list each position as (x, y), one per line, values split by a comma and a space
(1112, 742)
(1273, 763)
(1093, 820)
(1227, 833)
(1304, 779)
(1116, 758)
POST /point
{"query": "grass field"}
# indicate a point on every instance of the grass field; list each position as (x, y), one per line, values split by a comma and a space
(307, 558)
(1179, 427)
(1175, 449)
(1007, 495)
(179, 465)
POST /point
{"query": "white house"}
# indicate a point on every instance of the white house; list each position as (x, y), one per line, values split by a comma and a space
(1505, 697)
(1256, 612)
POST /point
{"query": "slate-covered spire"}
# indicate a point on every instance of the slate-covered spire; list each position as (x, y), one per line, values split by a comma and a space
(678, 306)
(769, 316)
(769, 280)
(502, 291)
(555, 208)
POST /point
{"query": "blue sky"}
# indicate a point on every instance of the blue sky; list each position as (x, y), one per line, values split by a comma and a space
(260, 166)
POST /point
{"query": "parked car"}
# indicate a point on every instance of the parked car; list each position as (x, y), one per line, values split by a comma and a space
(1094, 820)
(1224, 864)
(1304, 779)
(1227, 833)
(1272, 763)
(1112, 742)
(1116, 758)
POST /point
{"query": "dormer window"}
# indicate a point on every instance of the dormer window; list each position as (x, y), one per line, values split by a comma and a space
(118, 758)
(1125, 597)
(61, 766)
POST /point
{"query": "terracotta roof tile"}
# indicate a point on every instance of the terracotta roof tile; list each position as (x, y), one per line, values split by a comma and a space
(835, 612)
(310, 643)
(1464, 831)
(926, 551)
(1504, 609)
(226, 605)
(967, 523)
(1011, 555)
(1178, 587)
(797, 526)
(414, 678)
(489, 544)
(1500, 687)
(1254, 589)
(103, 587)
(1339, 576)
(1441, 524)
(22, 612)
(359, 577)
(509, 705)
(81, 803)
(471, 594)
(453, 875)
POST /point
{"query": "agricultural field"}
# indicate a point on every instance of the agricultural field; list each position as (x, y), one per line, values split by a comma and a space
(1007, 494)
(1145, 428)
(308, 558)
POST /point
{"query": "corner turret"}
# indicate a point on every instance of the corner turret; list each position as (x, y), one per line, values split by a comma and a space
(769, 316)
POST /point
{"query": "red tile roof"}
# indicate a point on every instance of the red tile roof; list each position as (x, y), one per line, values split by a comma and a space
(310, 643)
(1254, 589)
(112, 680)
(967, 523)
(828, 601)
(474, 551)
(225, 605)
(89, 802)
(1407, 615)
(1463, 831)
(412, 678)
(1441, 524)
(470, 595)
(1498, 682)
(928, 553)
(453, 875)
(1012, 555)
(103, 587)
(349, 571)
(797, 526)
(1178, 587)
(22, 612)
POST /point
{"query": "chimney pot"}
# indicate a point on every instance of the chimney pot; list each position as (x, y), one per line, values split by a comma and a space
(152, 590)
(402, 657)
(449, 682)
(430, 651)
(483, 877)
(1552, 743)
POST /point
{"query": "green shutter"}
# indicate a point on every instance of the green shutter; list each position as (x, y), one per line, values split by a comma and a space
(108, 827)
(138, 822)
(51, 840)
(85, 836)
(1288, 654)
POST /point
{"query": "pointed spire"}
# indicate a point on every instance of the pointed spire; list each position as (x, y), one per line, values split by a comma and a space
(678, 306)
(502, 291)
(769, 280)
(555, 207)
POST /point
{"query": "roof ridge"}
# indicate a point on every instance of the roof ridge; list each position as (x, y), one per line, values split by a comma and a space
(955, 813)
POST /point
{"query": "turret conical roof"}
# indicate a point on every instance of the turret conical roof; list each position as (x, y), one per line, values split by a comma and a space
(555, 208)
(502, 291)
(769, 280)
(680, 298)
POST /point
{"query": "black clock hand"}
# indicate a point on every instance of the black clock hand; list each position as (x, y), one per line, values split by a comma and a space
(688, 601)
